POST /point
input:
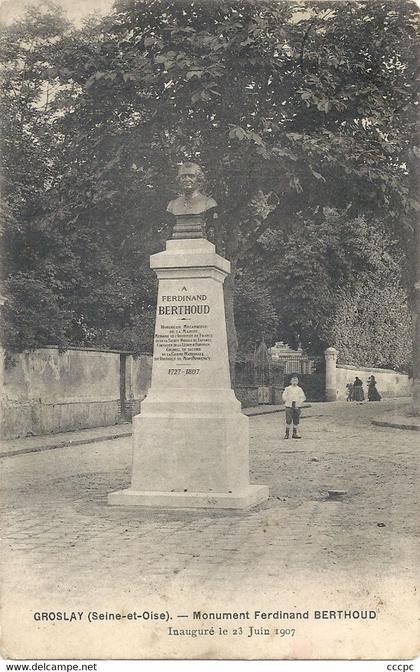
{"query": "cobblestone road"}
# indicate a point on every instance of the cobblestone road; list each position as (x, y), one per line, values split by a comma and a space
(55, 509)
(61, 537)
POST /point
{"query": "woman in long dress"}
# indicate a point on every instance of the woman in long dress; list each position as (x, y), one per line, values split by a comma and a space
(358, 393)
(373, 394)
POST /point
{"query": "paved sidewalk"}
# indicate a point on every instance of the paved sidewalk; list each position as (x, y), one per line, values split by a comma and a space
(35, 444)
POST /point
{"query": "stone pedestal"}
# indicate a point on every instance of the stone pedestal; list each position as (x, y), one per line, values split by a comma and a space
(190, 438)
(331, 374)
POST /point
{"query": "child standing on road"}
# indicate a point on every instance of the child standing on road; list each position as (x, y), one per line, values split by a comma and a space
(293, 397)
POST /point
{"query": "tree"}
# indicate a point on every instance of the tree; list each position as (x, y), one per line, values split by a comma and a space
(255, 315)
(73, 262)
(315, 268)
(373, 326)
(290, 112)
(287, 115)
(31, 155)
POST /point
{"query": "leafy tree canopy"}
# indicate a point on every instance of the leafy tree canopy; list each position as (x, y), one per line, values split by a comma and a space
(294, 110)
(329, 265)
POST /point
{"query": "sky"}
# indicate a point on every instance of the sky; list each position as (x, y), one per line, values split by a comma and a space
(76, 10)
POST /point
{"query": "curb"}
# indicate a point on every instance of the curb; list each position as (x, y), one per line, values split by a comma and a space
(63, 444)
(106, 437)
(268, 411)
(396, 425)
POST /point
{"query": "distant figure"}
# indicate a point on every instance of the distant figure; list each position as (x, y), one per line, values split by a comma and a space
(349, 388)
(373, 394)
(293, 397)
(358, 394)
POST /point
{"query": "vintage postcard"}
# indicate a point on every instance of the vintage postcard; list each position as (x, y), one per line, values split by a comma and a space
(210, 357)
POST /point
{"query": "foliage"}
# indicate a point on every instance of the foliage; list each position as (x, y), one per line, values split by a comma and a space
(30, 151)
(318, 262)
(372, 326)
(293, 113)
(255, 316)
(33, 316)
(78, 260)
(135, 337)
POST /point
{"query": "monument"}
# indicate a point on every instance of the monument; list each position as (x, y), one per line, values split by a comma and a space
(190, 440)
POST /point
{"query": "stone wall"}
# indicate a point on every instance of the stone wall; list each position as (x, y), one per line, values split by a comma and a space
(247, 395)
(389, 383)
(141, 374)
(46, 391)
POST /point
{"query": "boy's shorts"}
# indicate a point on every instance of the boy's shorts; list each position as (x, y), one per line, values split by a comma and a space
(292, 415)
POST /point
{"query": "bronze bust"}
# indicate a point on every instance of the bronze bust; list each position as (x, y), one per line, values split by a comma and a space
(190, 208)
